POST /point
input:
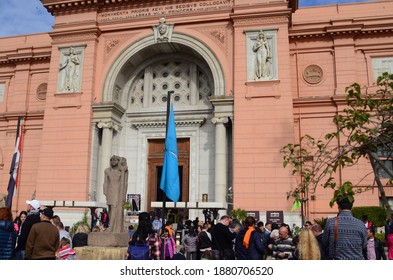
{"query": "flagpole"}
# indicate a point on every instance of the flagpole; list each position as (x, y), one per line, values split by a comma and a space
(168, 107)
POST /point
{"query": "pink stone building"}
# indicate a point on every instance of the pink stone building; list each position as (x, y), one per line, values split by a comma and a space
(248, 78)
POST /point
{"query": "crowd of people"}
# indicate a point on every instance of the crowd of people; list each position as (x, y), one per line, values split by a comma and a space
(38, 234)
(343, 238)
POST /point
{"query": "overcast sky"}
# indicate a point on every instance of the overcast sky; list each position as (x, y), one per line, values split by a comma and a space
(19, 17)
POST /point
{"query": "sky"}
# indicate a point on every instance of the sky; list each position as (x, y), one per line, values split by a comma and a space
(20, 17)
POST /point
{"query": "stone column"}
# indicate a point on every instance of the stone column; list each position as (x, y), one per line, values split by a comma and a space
(221, 159)
(106, 153)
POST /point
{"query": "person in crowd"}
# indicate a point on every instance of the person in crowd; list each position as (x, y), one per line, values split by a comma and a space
(104, 218)
(307, 225)
(375, 249)
(180, 256)
(240, 250)
(290, 234)
(19, 221)
(283, 247)
(66, 252)
(265, 237)
(63, 233)
(169, 227)
(168, 247)
(222, 239)
(56, 219)
(190, 244)
(252, 240)
(272, 238)
(195, 223)
(146, 233)
(389, 244)
(131, 230)
(317, 231)
(7, 234)
(94, 218)
(157, 225)
(43, 241)
(188, 222)
(367, 223)
(33, 217)
(307, 247)
(205, 243)
(388, 226)
(351, 237)
(80, 237)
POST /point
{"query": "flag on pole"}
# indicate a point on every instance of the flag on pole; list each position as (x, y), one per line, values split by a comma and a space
(170, 173)
(296, 205)
(14, 170)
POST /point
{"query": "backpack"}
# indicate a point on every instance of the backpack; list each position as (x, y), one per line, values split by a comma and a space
(139, 251)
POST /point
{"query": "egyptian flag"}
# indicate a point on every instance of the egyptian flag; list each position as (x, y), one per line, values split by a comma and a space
(14, 171)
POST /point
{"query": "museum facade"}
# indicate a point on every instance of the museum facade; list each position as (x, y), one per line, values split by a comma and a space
(248, 78)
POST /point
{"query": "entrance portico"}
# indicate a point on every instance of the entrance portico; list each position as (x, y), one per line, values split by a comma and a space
(133, 112)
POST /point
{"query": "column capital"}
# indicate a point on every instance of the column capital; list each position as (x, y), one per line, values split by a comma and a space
(108, 124)
(221, 120)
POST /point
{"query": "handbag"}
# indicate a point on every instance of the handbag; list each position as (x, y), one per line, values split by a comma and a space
(139, 251)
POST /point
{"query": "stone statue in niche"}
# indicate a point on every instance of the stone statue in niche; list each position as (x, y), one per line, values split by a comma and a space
(263, 58)
(70, 71)
(115, 190)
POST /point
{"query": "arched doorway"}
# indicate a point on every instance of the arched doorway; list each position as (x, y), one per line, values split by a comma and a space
(155, 163)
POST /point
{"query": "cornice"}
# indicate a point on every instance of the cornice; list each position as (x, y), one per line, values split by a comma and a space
(162, 123)
(24, 57)
(347, 28)
(313, 101)
(63, 6)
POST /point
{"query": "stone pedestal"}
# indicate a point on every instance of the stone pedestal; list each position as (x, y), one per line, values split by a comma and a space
(101, 253)
(108, 239)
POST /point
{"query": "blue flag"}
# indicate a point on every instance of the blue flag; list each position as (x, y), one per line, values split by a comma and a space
(170, 173)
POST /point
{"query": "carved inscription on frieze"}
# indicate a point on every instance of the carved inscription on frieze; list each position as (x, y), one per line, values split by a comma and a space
(165, 10)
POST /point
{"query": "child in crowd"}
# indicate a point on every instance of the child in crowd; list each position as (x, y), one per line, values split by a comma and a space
(66, 252)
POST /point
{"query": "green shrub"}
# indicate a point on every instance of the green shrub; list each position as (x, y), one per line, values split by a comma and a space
(239, 214)
(377, 215)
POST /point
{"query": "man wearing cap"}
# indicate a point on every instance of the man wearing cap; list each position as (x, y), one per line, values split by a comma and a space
(33, 217)
(43, 241)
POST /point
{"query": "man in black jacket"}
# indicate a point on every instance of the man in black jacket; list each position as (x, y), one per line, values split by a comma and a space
(317, 231)
(33, 217)
(222, 239)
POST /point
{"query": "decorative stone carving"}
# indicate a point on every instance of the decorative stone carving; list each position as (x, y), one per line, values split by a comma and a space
(313, 74)
(70, 70)
(41, 91)
(263, 57)
(163, 31)
(109, 125)
(220, 120)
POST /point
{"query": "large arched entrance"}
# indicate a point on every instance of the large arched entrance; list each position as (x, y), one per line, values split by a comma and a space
(138, 82)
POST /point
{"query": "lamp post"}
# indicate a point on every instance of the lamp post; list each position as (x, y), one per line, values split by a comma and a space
(303, 200)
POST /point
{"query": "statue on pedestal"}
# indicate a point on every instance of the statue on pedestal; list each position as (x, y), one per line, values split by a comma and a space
(115, 190)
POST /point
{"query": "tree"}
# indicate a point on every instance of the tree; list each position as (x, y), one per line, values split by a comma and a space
(364, 130)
